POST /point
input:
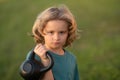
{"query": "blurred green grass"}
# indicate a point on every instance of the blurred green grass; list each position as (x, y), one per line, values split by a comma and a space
(97, 51)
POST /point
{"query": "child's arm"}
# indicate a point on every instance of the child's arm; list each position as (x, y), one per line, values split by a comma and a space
(45, 61)
(40, 50)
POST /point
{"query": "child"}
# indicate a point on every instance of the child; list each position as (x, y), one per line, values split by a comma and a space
(54, 29)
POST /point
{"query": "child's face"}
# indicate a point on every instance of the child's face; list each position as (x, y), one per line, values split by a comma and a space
(55, 34)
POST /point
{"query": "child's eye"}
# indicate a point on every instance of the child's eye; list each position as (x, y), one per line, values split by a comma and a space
(50, 32)
(62, 32)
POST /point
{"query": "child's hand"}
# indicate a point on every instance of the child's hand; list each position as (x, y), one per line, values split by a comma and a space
(40, 50)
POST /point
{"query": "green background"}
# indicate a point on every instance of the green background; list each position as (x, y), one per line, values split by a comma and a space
(97, 50)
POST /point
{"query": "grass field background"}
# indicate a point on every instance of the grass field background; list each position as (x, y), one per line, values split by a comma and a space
(97, 51)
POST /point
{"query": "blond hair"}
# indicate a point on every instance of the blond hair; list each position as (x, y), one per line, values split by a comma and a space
(55, 13)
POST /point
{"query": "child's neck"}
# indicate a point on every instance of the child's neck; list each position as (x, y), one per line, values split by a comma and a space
(58, 51)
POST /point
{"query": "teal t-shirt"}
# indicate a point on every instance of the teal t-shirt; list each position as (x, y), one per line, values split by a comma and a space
(65, 66)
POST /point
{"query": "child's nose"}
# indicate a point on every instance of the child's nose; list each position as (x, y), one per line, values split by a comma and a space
(56, 37)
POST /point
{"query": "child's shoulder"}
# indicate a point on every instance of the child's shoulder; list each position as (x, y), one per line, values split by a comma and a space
(70, 54)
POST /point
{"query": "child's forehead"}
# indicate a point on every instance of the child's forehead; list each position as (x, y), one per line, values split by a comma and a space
(57, 22)
(56, 27)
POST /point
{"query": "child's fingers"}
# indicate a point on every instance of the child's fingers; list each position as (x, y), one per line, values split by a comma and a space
(37, 46)
(40, 50)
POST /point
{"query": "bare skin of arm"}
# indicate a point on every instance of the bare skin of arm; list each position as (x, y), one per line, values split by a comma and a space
(41, 50)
